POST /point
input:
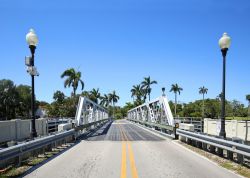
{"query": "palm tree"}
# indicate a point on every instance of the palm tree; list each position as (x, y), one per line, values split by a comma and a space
(105, 100)
(146, 85)
(248, 99)
(95, 95)
(86, 94)
(113, 98)
(73, 79)
(138, 92)
(176, 89)
(133, 92)
(203, 91)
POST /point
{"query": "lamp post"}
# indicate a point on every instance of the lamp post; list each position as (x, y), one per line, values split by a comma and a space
(163, 91)
(32, 41)
(224, 44)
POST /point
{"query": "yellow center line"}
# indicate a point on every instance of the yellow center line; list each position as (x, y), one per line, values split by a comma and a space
(124, 160)
(131, 155)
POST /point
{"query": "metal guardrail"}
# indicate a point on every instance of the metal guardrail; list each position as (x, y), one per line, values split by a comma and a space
(19, 150)
(167, 130)
(90, 124)
(161, 126)
(217, 142)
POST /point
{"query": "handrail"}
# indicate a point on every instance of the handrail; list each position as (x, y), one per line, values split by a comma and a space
(20, 149)
(162, 126)
(217, 142)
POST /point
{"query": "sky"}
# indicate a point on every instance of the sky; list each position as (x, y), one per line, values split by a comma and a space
(116, 43)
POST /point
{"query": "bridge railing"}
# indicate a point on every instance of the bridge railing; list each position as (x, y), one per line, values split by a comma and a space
(224, 148)
(155, 111)
(88, 112)
(89, 115)
(14, 154)
(155, 114)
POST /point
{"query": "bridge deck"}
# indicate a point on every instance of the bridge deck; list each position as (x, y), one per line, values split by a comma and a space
(125, 150)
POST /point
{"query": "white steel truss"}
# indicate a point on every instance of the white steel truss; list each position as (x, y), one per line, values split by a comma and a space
(156, 111)
(88, 112)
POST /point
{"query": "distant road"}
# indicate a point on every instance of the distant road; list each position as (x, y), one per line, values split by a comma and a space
(127, 151)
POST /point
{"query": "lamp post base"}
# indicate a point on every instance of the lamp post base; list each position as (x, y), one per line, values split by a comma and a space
(222, 135)
(33, 134)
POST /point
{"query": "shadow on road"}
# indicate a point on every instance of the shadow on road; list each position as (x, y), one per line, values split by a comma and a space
(98, 134)
(120, 131)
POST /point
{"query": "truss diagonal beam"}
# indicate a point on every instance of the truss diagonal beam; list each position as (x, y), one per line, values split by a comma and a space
(156, 111)
(88, 112)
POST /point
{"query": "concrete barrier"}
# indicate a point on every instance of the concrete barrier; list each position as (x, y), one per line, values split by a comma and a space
(234, 128)
(19, 130)
(63, 127)
(188, 127)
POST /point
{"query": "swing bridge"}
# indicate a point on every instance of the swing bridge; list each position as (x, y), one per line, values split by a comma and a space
(146, 144)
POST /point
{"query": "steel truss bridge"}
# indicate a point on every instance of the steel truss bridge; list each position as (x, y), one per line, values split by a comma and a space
(144, 145)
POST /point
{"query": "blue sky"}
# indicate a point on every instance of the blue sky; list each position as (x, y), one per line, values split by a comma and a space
(116, 43)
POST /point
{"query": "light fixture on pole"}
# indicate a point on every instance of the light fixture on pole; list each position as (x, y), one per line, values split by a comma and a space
(32, 41)
(163, 91)
(224, 44)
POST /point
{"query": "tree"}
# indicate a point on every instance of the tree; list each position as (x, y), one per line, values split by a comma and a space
(248, 99)
(176, 89)
(113, 98)
(139, 93)
(203, 91)
(9, 99)
(133, 92)
(128, 106)
(73, 79)
(146, 85)
(24, 92)
(237, 109)
(105, 100)
(59, 96)
(86, 94)
(65, 109)
(95, 95)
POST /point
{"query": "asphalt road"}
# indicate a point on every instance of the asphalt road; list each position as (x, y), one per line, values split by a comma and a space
(124, 150)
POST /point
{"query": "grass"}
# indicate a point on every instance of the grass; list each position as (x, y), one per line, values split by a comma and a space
(16, 171)
(12, 171)
(35, 161)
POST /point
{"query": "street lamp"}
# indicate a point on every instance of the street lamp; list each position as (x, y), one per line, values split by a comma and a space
(32, 41)
(224, 44)
(163, 91)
